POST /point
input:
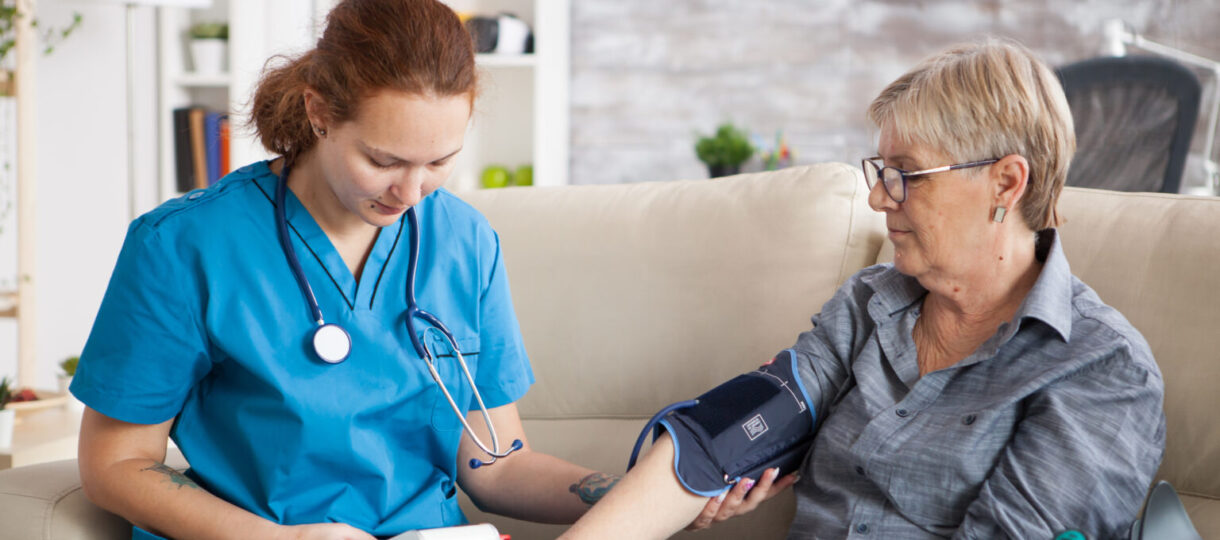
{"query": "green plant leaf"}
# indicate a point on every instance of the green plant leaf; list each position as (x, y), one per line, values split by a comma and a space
(728, 147)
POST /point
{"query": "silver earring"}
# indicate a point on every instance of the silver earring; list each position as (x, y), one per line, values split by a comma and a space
(999, 214)
(321, 132)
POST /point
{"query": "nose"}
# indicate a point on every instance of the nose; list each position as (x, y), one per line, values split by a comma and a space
(409, 190)
(879, 200)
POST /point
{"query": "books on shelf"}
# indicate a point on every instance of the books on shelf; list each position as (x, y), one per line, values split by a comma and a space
(201, 146)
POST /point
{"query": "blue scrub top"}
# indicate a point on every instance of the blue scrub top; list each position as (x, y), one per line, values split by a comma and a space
(203, 321)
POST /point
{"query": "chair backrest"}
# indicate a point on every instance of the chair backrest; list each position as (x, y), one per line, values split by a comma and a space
(1134, 117)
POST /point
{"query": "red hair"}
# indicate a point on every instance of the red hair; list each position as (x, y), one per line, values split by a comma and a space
(414, 46)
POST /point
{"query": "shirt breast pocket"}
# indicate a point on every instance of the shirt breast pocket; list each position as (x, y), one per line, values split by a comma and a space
(449, 366)
(941, 461)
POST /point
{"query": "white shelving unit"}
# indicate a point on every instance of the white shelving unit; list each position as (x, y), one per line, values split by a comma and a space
(258, 30)
(521, 116)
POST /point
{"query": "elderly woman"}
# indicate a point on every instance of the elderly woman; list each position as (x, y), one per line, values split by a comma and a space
(974, 388)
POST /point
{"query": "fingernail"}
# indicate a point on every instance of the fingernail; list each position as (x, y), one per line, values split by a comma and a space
(749, 482)
(723, 494)
(774, 473)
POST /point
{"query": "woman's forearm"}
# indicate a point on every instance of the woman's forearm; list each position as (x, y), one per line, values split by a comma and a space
(648, 502)
(122, 471)
(162, 500)
(539, 487)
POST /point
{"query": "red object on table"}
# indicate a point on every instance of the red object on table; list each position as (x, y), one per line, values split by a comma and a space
(25, 394)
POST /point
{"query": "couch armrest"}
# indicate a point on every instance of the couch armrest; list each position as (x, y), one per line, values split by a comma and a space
(45, 501)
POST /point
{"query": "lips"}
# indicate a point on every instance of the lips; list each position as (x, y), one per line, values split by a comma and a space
(388, 210)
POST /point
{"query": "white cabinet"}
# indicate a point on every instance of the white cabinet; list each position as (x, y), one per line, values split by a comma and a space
(521, 116)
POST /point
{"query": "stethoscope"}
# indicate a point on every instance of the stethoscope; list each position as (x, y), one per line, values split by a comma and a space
(332, 344)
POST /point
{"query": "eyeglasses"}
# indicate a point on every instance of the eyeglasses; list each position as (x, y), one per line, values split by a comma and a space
(895, 179)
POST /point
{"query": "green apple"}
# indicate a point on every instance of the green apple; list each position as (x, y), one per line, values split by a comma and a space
(524, 176)
(496, 176)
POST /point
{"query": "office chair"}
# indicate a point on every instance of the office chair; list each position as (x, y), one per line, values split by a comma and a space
(1134, 116)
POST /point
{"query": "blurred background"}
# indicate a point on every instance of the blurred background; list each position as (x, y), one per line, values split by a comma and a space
(606, 91)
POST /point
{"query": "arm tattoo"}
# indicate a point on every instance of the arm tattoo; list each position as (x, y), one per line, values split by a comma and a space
(173, 475)
(592, 488)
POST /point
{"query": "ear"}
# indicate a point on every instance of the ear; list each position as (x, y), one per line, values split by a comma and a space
(316, 109)
(1009, 177)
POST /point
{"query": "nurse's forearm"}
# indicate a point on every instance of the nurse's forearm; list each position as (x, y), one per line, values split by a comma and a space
(648, 502)
(162, 500)
(122, 471)
(539, 487)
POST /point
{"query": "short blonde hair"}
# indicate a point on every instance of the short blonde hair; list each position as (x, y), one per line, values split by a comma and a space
(988, 100)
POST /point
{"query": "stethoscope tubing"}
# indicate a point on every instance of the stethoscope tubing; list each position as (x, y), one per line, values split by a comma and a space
(281, 226)
(413, 311)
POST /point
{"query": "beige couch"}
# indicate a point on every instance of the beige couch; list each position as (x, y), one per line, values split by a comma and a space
(634, 296)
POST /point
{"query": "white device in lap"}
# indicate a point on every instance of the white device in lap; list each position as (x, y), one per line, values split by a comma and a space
(482, 531)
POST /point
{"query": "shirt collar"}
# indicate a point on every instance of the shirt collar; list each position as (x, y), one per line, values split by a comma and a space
(1049, 301)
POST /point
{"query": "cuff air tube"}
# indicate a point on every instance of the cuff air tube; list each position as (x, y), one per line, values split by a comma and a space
(756, 421)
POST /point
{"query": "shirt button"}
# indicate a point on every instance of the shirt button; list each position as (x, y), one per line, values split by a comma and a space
(968, 419)
(862, 528)
(902, 413)
(859, 470)
(195, 195)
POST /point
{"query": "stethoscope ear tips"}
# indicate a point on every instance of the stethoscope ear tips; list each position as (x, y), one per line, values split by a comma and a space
(476, 463)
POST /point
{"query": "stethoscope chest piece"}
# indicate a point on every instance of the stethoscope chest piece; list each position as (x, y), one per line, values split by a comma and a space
(332, 343)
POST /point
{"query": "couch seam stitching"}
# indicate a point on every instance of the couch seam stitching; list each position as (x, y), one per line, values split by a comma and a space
(1200, 495)
(25, 496)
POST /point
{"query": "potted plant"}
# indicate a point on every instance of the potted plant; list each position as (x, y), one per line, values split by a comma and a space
(8, 417)
(209, 46)
(68, 368)
(50, 36)
(724, 152)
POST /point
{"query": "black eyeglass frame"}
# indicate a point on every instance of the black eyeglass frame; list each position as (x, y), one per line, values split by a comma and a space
(880, 173)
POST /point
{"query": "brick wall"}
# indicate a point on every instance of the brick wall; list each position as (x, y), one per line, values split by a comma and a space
(647, 75)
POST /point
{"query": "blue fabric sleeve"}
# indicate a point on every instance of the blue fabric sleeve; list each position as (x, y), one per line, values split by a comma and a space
(147, 348)
(504, 373)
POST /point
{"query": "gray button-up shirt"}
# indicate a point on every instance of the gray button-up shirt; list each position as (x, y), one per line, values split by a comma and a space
(1054, 423)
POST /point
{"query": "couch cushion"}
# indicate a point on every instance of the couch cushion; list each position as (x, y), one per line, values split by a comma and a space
(633, 296)
(1156, 258)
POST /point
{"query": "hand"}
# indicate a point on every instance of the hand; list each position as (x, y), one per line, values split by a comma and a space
(742, 499)
(324, 531)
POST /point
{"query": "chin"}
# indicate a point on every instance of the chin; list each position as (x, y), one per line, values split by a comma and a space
(377, 219)
(904, 264)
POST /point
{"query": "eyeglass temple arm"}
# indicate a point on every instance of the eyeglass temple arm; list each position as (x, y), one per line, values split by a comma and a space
(952, 167)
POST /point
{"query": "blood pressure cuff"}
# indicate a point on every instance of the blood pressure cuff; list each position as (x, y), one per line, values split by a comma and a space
(754, 422)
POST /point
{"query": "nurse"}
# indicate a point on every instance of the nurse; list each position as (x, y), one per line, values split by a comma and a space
(205, 332)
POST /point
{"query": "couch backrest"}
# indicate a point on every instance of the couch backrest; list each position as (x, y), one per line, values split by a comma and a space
(634, 296)
(611, 283)
(1156, 258)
